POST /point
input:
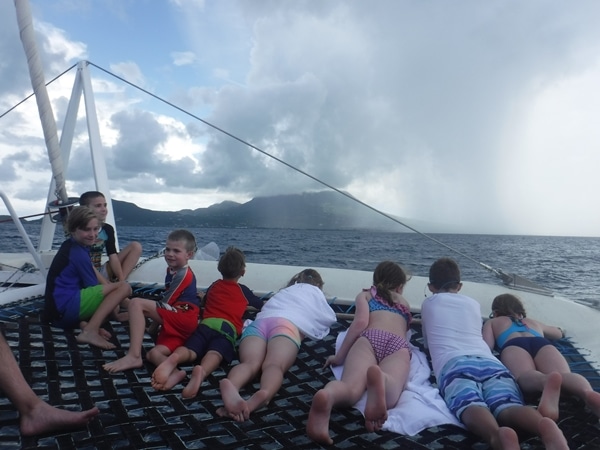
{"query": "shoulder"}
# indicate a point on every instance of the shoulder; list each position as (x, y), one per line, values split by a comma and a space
(363, 296)
(400, 300)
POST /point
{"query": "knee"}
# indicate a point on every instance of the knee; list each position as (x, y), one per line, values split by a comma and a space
(271, 367)
(136, 247)
(135, 304)
(125, 288)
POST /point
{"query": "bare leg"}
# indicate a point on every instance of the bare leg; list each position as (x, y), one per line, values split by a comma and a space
(375, 409)
(317, 426)
(129, 257)
(138, 308)
(196, 380)
(281, 354)
(36, 416)
(234, 405)
(551, 435)
(592, 400)
(114, 294)
(208, 365)
(479, 420)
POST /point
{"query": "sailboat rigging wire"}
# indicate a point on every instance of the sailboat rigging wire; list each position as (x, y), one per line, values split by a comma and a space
(497, 272)
(33, 93)
(339, 191)
(28, 217)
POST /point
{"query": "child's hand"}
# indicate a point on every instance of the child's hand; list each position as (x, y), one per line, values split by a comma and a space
(330, 361)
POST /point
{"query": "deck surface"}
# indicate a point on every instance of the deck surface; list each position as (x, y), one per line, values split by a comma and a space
(134, 415)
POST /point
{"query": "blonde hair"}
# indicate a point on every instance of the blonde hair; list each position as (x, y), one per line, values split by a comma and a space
(79, 217)
(188, 239)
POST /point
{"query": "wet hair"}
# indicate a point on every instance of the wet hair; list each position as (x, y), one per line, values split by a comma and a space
(388, 276)
(183, 236)
(232, 263)
(79, 217)
(308, 276)
(508, 305)
(87, 197)
(444, 274)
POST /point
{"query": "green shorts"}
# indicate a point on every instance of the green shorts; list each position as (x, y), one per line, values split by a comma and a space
(90, 299)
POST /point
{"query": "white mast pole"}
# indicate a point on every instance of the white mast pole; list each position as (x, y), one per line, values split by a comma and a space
(36, 73)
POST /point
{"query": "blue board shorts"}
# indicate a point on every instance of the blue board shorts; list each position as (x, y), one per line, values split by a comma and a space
(477, 381)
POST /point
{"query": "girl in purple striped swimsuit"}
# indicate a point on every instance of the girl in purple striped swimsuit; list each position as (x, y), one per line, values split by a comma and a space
(375, 355)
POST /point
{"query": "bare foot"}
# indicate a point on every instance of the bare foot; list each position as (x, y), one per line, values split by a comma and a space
(126, 362)
(317, 426)
(166, 375)
(551, 435)
(44, 418)
(222, 412)
(94, 338)
(192, 388)
(259, 399)
(101, 331)
(548, 406)
(235, 405)
(375, 409)
(592, 400)
(506, 439)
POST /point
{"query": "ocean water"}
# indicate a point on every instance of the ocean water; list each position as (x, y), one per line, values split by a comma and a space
(569, 266)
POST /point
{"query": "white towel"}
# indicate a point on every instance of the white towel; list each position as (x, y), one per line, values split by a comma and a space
(420, 405)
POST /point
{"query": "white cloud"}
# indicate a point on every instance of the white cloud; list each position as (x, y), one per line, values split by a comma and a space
(476, 114)
(183, 58)
(130, 71)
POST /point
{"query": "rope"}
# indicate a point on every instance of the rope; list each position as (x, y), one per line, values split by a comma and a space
(279, 160)
(24, 269)
(497, 272)
(158, 254)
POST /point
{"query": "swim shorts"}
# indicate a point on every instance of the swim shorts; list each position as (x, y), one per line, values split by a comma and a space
(205, 339)
(271, 327)
(89, 301)
(177, 325)
(473, 380)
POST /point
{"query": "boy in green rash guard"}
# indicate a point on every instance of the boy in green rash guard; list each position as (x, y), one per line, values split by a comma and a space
(214, 340)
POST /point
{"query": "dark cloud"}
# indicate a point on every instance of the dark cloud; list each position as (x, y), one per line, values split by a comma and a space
(426, 109)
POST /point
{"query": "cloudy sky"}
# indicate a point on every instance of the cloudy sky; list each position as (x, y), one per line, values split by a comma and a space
(479, 115)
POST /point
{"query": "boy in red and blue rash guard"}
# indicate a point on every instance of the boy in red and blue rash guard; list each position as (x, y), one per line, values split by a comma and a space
(178, 312)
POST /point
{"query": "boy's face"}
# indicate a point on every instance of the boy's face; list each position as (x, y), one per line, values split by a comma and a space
(98, 205)
(176, 254)
(88, 234)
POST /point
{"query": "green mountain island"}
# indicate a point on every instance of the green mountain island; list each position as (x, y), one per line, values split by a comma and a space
(317, 210)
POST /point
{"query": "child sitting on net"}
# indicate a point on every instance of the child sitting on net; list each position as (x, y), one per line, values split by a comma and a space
(213, 341)
(270, 343)
(177, 312)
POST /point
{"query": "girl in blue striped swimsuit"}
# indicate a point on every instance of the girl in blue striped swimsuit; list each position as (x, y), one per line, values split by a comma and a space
(525, 347)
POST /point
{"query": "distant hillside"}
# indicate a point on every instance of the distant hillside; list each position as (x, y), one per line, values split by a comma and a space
(320, 210)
